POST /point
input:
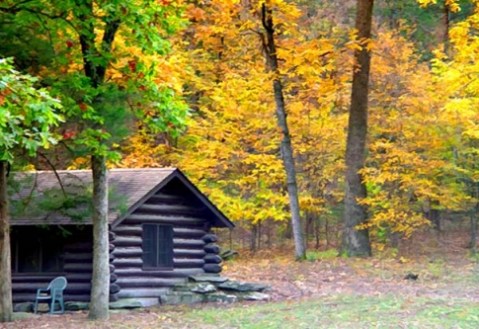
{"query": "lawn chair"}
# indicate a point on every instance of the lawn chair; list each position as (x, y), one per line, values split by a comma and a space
(52, 294)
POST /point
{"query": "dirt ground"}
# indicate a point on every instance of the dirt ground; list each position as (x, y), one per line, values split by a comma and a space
(442, 265)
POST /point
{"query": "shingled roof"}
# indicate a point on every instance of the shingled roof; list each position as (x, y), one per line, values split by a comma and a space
(128, 189)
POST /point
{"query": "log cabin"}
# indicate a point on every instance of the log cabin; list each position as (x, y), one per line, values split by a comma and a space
(159, 232)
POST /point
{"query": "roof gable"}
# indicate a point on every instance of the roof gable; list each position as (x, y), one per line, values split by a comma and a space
(219, 219)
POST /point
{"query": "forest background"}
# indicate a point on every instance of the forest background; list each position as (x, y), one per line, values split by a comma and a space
(420, 168)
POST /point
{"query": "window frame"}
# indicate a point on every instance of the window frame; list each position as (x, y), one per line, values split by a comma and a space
(156, 248)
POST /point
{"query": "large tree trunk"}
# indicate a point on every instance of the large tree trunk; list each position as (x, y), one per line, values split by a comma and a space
(6, 309)
(100, 290)
(286, 145)
(356, 241)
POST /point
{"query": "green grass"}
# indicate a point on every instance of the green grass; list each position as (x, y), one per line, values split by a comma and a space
(344, 312)
(314, 255)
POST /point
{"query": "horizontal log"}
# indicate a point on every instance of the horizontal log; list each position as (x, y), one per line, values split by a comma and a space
(212, 268)
(78, 277)
(210, 237)
(188, 232)
(175, 273)
(31, 278)
(127, 262)
(212, 259)
(139, 293)
(167, 198)
(148, 282)
(30, 297)
(161, 219)
(82, 247)
(78, 257)
(113, 297)
(188, 243)
(166, 209)
(83, 259)
(178, 232)
(187, 262)
(111, 236)
(189, 253)
(212, 248)
(135, 230)
(129, 241)
(177, 262)
(72, 288)
(128, 252)
(78, 267)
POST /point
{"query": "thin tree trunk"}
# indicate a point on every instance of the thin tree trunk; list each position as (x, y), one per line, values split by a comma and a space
(326, 232)
(100, 291)
(473, 242)
(6, 308)
(317, 230)
(254, 232)
(356, 241)
(259, 233)
(269, 47)
(444, 28)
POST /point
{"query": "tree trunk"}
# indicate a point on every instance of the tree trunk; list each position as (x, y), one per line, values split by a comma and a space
(6, 308)
(254, 232)
(317, 230)
(269, 47)
(356, 241)
(473, 242)
(444, 28)
(100, 288)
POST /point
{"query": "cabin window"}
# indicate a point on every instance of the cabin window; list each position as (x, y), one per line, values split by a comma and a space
(157, 246)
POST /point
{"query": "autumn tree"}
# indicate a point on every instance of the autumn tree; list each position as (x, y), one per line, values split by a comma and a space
(27, 114)
(356, 239)
(104, 71)
(269, 48)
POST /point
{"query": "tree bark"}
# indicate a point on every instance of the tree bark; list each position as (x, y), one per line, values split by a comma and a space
(100, 291)
(473, 241)
(6, 308)
(444, 28)
(356, 241)
(269, 47)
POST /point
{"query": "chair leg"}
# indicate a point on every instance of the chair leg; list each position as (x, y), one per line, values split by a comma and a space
(35, 306)
(52, 305)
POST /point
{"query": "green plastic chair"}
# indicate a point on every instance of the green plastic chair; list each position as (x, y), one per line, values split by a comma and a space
(52, 294)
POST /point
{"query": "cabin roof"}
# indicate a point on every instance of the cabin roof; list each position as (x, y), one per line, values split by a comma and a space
(37, 198)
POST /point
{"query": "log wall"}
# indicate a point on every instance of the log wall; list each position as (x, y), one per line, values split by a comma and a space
(77, 268)
(191, 233)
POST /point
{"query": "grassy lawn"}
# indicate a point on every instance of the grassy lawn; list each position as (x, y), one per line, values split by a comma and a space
(327, 292)
(345, 312)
